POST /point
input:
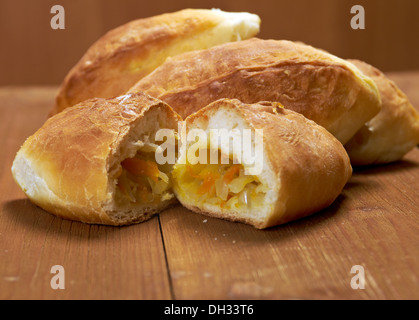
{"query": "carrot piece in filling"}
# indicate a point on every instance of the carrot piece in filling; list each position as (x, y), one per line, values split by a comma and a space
(231, 172)
(138, 166)
(207, 184)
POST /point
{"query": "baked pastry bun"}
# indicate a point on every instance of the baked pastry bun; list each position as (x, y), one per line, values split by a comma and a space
(393, 132)
(125, 54)
(299, 168)
(95, 162)
(326, 89)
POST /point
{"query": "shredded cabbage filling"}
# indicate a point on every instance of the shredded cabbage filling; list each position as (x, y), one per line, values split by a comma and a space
(141, 180)
(225, 185)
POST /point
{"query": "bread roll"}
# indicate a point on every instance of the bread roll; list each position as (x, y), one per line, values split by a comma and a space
(302, 167)
(324, 88)
(393, 132)
(94, 162)
(125, 54)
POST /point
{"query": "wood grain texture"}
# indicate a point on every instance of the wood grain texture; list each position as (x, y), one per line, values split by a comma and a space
(183, 255)
(368, 225)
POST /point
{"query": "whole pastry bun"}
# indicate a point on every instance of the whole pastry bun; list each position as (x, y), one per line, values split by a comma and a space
(126, 54)
(94, 162)
(393, 132)
(324, 88)
(300, 167)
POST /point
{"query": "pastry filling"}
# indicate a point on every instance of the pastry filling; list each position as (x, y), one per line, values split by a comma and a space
(223, 185)
(140, 180)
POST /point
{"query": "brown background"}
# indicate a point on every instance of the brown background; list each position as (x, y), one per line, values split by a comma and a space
(32, 53)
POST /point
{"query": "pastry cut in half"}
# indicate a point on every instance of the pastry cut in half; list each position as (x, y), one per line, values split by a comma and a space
(95, 162)
(129, 52)
(393, 132)
(324, 88)
(287, 167)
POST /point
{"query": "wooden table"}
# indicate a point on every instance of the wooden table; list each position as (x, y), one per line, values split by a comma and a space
(182, 255)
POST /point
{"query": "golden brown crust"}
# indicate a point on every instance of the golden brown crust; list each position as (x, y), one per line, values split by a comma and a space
(64, 167)
(391, 133)
(308, 166)
(126, 54)
(313, 166)
(326, 89)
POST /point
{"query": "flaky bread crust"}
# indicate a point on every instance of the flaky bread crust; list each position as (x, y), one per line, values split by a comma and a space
(307, 166)
(393, 132)
(65, 166)
(324, 88)
(125, 54)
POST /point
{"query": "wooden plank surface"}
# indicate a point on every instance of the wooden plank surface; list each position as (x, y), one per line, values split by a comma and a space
(183, 255)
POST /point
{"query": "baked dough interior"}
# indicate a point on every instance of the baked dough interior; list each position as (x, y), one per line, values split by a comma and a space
(226, 185)
(140, 180)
